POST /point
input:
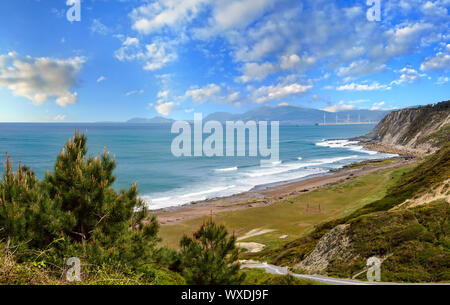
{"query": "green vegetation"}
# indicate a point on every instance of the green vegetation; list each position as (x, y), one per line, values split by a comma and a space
(373, 163)
(298, 215)
(425, 177)
(210, 257)
(75, 212)
(414, 242)
(260, 277)
(438, 138)
(426, 114)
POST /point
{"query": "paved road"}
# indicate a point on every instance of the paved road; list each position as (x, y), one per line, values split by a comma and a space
(323, 279)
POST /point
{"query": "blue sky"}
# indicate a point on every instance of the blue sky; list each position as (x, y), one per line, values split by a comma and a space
(136, 58)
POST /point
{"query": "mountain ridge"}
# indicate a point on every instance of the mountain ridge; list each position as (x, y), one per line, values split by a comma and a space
(300, 115)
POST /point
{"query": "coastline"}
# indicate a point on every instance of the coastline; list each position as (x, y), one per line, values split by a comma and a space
(264, 195)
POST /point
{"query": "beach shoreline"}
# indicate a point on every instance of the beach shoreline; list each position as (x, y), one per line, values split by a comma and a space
(265, 195)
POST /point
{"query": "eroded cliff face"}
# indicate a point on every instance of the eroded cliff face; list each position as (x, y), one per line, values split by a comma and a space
(418, 131)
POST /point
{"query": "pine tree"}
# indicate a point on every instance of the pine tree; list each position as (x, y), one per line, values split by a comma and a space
(28, 217)
(111, 225)
(210, 257)
(75, 211)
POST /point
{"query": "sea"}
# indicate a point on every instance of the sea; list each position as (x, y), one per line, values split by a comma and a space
(143, 154)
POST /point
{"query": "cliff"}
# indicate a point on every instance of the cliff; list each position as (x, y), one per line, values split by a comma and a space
(418, 131)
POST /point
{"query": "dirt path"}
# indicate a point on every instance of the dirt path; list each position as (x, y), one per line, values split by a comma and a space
(262, 197)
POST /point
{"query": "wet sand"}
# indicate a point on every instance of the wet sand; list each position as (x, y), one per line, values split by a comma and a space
(265, 195)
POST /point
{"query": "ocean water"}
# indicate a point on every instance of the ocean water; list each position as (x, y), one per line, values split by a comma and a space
(143, 154)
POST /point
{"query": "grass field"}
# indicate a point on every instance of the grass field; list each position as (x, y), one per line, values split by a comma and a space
(297, 216)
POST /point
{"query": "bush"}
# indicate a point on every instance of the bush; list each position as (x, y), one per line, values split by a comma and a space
(210, 257)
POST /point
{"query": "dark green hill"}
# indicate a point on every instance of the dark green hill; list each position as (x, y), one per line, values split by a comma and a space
(413, 240)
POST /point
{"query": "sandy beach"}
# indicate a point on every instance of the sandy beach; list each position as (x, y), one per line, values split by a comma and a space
(266, 195)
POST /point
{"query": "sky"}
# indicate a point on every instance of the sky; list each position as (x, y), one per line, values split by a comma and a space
(172, 58)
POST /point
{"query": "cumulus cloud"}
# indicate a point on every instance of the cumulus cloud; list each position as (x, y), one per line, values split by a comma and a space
(361, 67)
(154, 56)
(266, 94)
(99, 28)
(230, 15)
(440, 61)
(377, 106)
(339, 107)
(41, 79)
(202, 95)
(265, 36)
(156, 15)
(408, 75)
(363, 87)
(165, 108)
(401, 40)
(256, 72)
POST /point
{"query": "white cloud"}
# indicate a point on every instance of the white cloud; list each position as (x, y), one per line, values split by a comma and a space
(164, 95)
(157, 56)
(154, 56)
(408, 75)
(101, 79)
(434, 9)
(41, 79)
(190, 110)
(289, 62)
(339, 107)
(202, 95)
(165, 108)
(362, 87)
(133, 92)
(270, 93)
(229, 15)
(361, 67)
(377, 106)
(400, 40)
(99, 28)
(158, 14)
(438, 62)
(442, 80)
(256, 72)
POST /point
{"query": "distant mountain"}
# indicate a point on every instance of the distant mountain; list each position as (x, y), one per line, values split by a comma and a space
(299, 115)
(155, 120)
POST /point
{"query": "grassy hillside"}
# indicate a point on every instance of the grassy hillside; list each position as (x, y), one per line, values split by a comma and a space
(298, 215)
(413, 241)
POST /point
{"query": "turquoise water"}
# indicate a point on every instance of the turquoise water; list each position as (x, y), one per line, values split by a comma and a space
(143, 154)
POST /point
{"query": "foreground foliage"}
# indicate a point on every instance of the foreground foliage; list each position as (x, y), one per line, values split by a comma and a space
(210, 257)
(75, 212)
